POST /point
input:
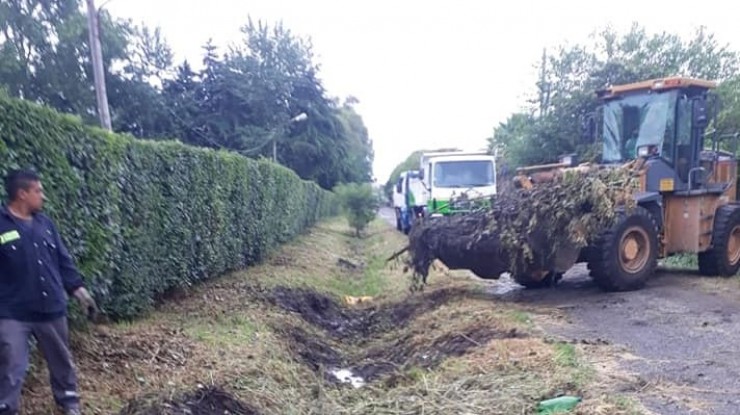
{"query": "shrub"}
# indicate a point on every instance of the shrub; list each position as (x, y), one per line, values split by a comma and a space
(360, 204)
(143, 217)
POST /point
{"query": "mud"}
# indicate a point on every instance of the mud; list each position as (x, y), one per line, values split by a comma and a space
(359, 343)
(206, 401)
(312, 350)
(360, 324)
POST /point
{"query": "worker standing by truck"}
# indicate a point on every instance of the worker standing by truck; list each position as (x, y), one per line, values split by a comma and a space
(408, 200)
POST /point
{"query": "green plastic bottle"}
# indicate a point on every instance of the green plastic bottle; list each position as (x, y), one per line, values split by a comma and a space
(559, 404)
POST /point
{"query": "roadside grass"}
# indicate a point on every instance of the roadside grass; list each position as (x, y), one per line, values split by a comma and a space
(521, 317)
(681, 261)
(449, 349)
(337, 262)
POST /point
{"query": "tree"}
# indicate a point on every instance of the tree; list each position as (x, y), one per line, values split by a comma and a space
(566, 90)
(358, 164)
(360, 204)
(180, 96)
(46, 58)
(28, 27)
(135, 93)
(242, 99)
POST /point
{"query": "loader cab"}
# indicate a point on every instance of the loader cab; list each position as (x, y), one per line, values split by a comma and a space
(663, 121)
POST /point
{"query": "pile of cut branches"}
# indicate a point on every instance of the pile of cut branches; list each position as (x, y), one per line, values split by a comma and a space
(524, 229)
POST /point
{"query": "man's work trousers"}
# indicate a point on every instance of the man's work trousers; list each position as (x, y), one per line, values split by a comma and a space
(53, 340)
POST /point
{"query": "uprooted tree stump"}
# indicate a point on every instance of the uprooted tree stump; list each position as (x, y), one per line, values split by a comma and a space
(525, 229)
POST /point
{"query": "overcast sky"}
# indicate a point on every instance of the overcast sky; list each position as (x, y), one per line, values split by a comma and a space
(427, 73)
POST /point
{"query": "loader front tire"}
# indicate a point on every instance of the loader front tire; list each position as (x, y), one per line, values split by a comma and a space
(723, 258)
(626, 255)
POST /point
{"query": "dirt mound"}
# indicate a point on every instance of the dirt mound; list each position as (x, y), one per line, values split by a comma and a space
(339, 321)
(205, 401)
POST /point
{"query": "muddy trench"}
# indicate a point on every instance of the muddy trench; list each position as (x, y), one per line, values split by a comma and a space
(348, 347)
(357, 346)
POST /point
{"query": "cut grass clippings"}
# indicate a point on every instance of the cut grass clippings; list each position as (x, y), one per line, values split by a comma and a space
(272, 340)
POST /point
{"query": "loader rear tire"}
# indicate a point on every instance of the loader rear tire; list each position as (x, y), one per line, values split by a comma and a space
(626, 255)
(723, 258)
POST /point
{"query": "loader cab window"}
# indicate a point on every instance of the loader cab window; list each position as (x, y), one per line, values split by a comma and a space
(399, 185)
(636, 120)
(683, 137)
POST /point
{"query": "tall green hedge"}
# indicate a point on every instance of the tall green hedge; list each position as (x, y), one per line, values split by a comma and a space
(143, 217)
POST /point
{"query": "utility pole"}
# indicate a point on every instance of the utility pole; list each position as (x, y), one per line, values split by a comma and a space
(96, 53)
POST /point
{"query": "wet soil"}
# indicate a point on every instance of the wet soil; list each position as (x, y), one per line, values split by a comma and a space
(358, 324)
(206, 401)
(371, 342)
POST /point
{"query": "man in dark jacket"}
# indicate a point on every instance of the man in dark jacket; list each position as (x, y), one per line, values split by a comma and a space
(36, 275)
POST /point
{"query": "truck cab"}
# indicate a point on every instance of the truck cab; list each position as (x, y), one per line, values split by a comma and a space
(457, 181)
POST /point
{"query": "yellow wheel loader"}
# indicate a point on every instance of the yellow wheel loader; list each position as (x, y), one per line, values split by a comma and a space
(686, 201)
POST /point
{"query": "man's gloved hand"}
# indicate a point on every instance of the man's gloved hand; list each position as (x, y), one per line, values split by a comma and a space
(86, 300)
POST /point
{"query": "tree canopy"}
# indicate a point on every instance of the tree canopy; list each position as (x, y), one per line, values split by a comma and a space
(242, 98)
(570, 76)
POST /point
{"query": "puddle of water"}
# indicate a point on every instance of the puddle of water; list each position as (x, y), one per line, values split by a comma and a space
(501, 286)
(504, 285)
(346, 376)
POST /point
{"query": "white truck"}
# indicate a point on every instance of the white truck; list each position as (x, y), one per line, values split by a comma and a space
(457, 181)
(408, 199)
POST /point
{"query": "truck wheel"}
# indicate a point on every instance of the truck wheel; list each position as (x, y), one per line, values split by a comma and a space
(723, 258)
(549, 280)
(399, 227)
(626, 255)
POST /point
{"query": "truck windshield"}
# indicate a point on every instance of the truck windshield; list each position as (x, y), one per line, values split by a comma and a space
(635, 121)
(473, 173)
